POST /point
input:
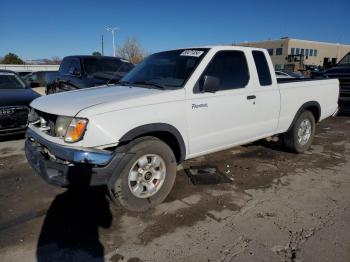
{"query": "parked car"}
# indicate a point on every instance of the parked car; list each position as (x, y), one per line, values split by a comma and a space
(15, 98)
(342, 72)
(42, 78)
(175, 105)
(281, 75)
(77, 72)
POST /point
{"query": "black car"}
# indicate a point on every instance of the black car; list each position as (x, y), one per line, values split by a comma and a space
(41, 78)
(342, 72)
(78, 72)
(15, 97)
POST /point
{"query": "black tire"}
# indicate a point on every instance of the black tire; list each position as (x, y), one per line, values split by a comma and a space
(119, 189)
(290, 139)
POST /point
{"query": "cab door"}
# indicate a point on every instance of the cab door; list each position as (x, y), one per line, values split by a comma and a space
(267, 95)
(221, 117)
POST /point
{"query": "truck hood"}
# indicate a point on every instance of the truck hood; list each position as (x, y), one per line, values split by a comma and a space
(72, 102)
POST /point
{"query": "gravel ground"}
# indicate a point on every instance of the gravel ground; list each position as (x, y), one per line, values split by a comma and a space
(279, 206)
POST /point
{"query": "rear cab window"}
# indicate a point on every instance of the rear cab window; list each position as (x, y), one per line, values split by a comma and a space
(262, 68)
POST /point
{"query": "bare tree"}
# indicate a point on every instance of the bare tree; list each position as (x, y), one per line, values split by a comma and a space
(132, 51)
(56, 60)
(46, 61)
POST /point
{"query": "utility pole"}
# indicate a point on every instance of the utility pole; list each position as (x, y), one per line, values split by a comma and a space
(112, 30)
(102, 44)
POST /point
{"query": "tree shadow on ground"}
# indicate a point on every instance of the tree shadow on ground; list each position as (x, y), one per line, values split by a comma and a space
(70, 228)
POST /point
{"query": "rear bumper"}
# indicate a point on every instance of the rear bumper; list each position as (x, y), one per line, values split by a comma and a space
(67, 166)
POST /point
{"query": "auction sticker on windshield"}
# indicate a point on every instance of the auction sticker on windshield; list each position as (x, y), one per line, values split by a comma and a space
(195, 53)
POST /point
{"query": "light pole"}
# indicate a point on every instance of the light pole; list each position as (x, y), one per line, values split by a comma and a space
(112, 29)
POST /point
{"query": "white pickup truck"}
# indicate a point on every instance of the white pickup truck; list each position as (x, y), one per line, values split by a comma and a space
(174, 106)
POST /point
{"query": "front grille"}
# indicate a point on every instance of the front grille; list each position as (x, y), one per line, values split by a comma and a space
(13, 117)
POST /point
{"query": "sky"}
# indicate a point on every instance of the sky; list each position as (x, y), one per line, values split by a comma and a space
(35, 29)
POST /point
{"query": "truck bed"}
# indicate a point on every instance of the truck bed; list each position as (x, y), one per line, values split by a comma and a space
(294, 93)
(291, 80)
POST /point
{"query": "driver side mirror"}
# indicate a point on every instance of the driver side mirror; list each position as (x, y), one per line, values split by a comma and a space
(210, 84)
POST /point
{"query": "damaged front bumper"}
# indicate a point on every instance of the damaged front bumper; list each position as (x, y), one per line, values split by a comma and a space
(63, 166)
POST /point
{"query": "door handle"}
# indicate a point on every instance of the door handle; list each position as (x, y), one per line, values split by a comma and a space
(251, 97)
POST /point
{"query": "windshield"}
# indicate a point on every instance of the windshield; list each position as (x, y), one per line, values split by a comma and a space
(10, 81)
(170, 69)
(345, 60)
(105, 65)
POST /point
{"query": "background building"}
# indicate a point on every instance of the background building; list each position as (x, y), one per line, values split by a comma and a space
(294, 54)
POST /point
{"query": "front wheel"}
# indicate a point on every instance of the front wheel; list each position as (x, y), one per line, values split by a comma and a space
(299, 138)
(147, 178)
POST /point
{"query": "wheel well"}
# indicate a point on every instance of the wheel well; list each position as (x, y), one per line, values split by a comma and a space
(315, 111)
(170, 140)
(313, 107)
(165, 132)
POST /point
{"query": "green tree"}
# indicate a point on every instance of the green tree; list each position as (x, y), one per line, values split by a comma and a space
(96, 53)
(13, 59)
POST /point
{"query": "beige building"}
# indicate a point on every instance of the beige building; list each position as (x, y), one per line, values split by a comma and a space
(294, 54)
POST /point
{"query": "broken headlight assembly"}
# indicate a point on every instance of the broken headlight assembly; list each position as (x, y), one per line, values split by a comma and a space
(71, 129)
(61, 125)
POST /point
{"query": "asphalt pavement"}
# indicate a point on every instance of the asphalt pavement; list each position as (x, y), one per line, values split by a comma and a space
(276, 206)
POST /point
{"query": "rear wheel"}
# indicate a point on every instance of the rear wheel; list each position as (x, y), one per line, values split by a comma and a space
(147, 178)
(299, 138)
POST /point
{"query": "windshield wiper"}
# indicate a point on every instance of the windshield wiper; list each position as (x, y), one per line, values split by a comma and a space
(149, 83)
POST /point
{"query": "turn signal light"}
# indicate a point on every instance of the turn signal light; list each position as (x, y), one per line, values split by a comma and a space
(76, 130)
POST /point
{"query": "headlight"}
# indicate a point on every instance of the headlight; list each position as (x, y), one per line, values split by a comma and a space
(61, 125)
(76, 130)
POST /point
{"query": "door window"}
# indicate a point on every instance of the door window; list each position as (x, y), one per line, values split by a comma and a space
(65, 66)
(74, 66)
(230, 68)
